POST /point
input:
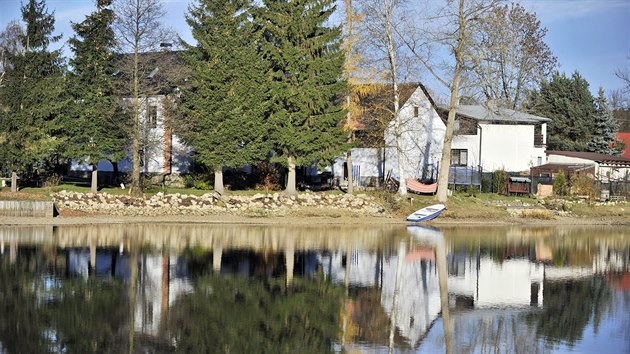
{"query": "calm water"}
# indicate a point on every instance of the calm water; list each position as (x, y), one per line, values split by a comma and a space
(344, 289)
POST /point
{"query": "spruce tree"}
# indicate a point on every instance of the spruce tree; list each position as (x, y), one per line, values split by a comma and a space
(32, 97)
(306, 81)
(569, 103)
(605, 127)
(224, 103)
(95, 130)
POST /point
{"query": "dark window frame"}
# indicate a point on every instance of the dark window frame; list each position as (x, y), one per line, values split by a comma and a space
(456, 157)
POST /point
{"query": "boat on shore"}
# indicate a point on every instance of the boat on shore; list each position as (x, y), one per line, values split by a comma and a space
(427, 213)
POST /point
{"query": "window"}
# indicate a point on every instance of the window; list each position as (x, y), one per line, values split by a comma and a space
(459, 157)
(152, 117)
(416, 111)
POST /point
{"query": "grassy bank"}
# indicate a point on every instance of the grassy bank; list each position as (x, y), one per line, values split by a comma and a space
(461, 205)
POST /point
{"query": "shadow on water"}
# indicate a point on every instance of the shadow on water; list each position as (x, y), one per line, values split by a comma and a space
(313, 289)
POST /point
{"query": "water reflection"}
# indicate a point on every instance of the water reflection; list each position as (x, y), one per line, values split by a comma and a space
(200, 288)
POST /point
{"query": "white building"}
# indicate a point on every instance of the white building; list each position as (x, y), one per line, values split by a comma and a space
(486, 137)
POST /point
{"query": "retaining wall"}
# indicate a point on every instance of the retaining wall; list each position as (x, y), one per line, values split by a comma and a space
(35, 208)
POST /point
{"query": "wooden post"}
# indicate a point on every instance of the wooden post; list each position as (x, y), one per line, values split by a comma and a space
(14, 186)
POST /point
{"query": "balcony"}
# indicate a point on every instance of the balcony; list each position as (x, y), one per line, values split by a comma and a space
(539, 140)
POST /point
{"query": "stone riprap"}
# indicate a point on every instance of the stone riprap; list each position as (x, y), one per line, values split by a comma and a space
(211, 203)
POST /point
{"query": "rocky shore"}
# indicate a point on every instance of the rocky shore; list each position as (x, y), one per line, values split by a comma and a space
(262, 204)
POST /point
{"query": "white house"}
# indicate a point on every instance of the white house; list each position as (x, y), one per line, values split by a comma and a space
(486, 137)
(497, 138)
(162, 151)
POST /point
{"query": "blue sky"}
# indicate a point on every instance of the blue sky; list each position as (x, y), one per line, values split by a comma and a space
(591, 36)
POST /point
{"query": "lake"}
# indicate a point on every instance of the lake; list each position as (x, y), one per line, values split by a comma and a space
(167, 288)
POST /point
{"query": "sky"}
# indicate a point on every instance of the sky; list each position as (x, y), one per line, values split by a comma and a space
(590, 36)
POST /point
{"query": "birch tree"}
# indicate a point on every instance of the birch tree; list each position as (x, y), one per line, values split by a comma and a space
(139, 34)
(383, 21)
(452, 28)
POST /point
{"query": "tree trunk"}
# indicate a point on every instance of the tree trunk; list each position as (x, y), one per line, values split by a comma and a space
(94, 185)
(349, 40)
(218, 180)
(14, 186)
(391, 54)
(135, 173)
(350, 177)
(291, 178)
(445, 163)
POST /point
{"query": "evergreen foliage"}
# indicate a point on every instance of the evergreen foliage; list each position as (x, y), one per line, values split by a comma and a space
(307, 84)
(32, 98)
(569, 103)
(605, 127)
(95, 130)
(224, 103)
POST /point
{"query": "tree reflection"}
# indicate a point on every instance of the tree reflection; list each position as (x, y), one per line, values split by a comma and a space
(236, 315)
(569, 306)
(41, 313)
(87, 314)
(22, 324)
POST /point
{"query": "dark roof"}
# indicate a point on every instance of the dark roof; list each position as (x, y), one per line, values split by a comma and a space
(593, 156)
(483, 113)
(566, 167)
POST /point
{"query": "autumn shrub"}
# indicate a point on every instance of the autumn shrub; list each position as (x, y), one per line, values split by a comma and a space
(499, 182)
(582, 185)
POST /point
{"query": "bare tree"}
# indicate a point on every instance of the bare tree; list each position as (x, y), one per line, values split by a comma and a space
(348, 46)
(9, 44)
(383, 21)
(509, 55)
(139, 34)
(454, 27)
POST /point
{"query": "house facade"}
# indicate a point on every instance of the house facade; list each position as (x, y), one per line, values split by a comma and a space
(486, 139)
(162, 153)
(493, 138)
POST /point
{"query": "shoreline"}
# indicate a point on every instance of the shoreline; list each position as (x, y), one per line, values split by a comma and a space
(304, 220)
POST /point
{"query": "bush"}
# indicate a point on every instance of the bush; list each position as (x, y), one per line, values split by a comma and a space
(52, 181)
(268, 176)
(582, 185)
(560, 184)
(499, 182)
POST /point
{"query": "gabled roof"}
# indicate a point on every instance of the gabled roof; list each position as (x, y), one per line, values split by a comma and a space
(497, 115)
(593, 156)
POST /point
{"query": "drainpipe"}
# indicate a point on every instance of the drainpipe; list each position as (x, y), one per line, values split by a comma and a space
(480, 167)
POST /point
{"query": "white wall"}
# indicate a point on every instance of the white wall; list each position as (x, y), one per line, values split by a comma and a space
(154, 150)
(369, 160)
(505, 146)
(422, 138)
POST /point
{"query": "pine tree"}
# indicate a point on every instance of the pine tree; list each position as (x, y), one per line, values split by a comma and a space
(569, 103)
(32, 97)
(605, 127)
(225, 101)
(306, 82)
(95, 130)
